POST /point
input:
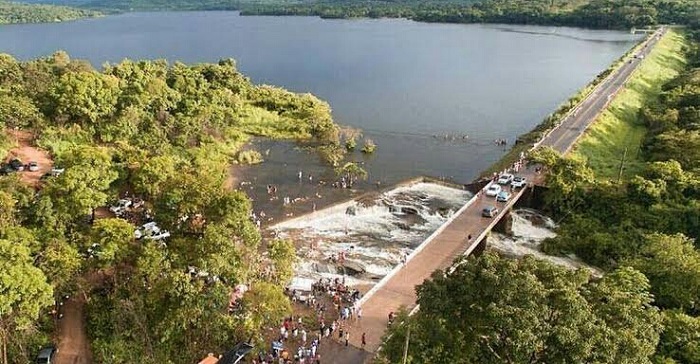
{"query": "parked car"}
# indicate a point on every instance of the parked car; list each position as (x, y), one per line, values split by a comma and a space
(235, 355)
(33, 166)
(505, 178)
(503, 196)
(493, 190)
(518, 182)
(121, 206)
(17, 165)
(151, 231)
(489, 211)
(46, 355)
(158, 236)
(94, 250)
(7, 169)
(57, 171)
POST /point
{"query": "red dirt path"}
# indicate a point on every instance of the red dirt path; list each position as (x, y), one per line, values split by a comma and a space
(27, 152)
(73, 346)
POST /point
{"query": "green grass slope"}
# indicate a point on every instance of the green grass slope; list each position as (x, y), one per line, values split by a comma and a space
(620, 127)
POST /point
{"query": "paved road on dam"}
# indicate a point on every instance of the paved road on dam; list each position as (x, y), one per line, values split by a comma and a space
(439, 251)
(575, 124)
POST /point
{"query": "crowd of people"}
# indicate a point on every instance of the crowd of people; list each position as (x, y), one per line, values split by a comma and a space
(330, 324)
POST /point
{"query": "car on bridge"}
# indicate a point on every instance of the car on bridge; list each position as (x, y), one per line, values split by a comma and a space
(503, 196)
(518, 182)
(493, 190)
(489, 211)
(505, 178)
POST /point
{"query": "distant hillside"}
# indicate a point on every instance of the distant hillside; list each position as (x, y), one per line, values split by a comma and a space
(608, 14)
(74, 3)
(159, 5)
(13, 13)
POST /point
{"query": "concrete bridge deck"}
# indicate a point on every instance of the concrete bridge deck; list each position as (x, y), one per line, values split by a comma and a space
(397, 289)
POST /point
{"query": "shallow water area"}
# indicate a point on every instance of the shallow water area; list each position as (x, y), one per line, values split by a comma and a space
(530, 228)
(362, 241)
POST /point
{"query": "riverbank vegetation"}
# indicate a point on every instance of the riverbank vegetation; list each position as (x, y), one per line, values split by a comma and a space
(15, 13)
(642, 233)
(160, 133)
(619, 131)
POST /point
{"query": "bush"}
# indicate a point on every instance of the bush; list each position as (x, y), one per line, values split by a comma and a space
(369, 146)
(249, 157)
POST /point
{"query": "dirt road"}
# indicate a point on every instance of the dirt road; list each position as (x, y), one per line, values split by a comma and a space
(73, 345)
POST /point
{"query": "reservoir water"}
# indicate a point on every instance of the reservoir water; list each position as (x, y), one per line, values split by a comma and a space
(405, 84)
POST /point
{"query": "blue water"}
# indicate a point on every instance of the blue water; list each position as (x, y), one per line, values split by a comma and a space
(402, 82)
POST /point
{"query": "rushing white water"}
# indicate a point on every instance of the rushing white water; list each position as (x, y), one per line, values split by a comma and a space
(372, 236)
(530, 228)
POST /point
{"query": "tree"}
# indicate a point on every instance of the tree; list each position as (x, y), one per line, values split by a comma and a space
(60, 262)
(628, 321)
(114, 237)
(24, 292)
(151, 176)
(566, 178)
(283, 256)
(680, 339)
(263, 306)
(84, 96)
(497, 310)
(672, 265)
(680, 145)
(84, 184)
(352, 171)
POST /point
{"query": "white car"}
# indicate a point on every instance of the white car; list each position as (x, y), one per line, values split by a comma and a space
(151, 231)
(519, 182)
(505, 178)
(493, 190)
(158, 236)
(121, 206)
(33, 166)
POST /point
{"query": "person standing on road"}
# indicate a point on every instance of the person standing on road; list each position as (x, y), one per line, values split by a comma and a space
(347, 338)
(364, 340)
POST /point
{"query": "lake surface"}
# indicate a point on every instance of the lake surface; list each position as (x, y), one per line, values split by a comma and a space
(406, 84)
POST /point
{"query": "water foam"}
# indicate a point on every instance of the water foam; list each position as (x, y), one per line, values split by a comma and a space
(375, 235)
(527, 238)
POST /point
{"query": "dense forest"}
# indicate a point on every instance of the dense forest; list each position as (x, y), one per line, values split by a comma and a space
(609, 14)
(13, 12)
(642, 233)
(165, 134)
(618, 14)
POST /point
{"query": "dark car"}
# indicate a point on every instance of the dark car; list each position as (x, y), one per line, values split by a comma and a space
(6, 169)
(489, 211)
(17, 164)
(46, 355)
(235, 355)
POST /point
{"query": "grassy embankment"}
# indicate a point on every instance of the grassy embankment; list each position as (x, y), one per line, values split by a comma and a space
(620, 125)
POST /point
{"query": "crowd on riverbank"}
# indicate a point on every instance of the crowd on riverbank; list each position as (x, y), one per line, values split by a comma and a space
(322, 316)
